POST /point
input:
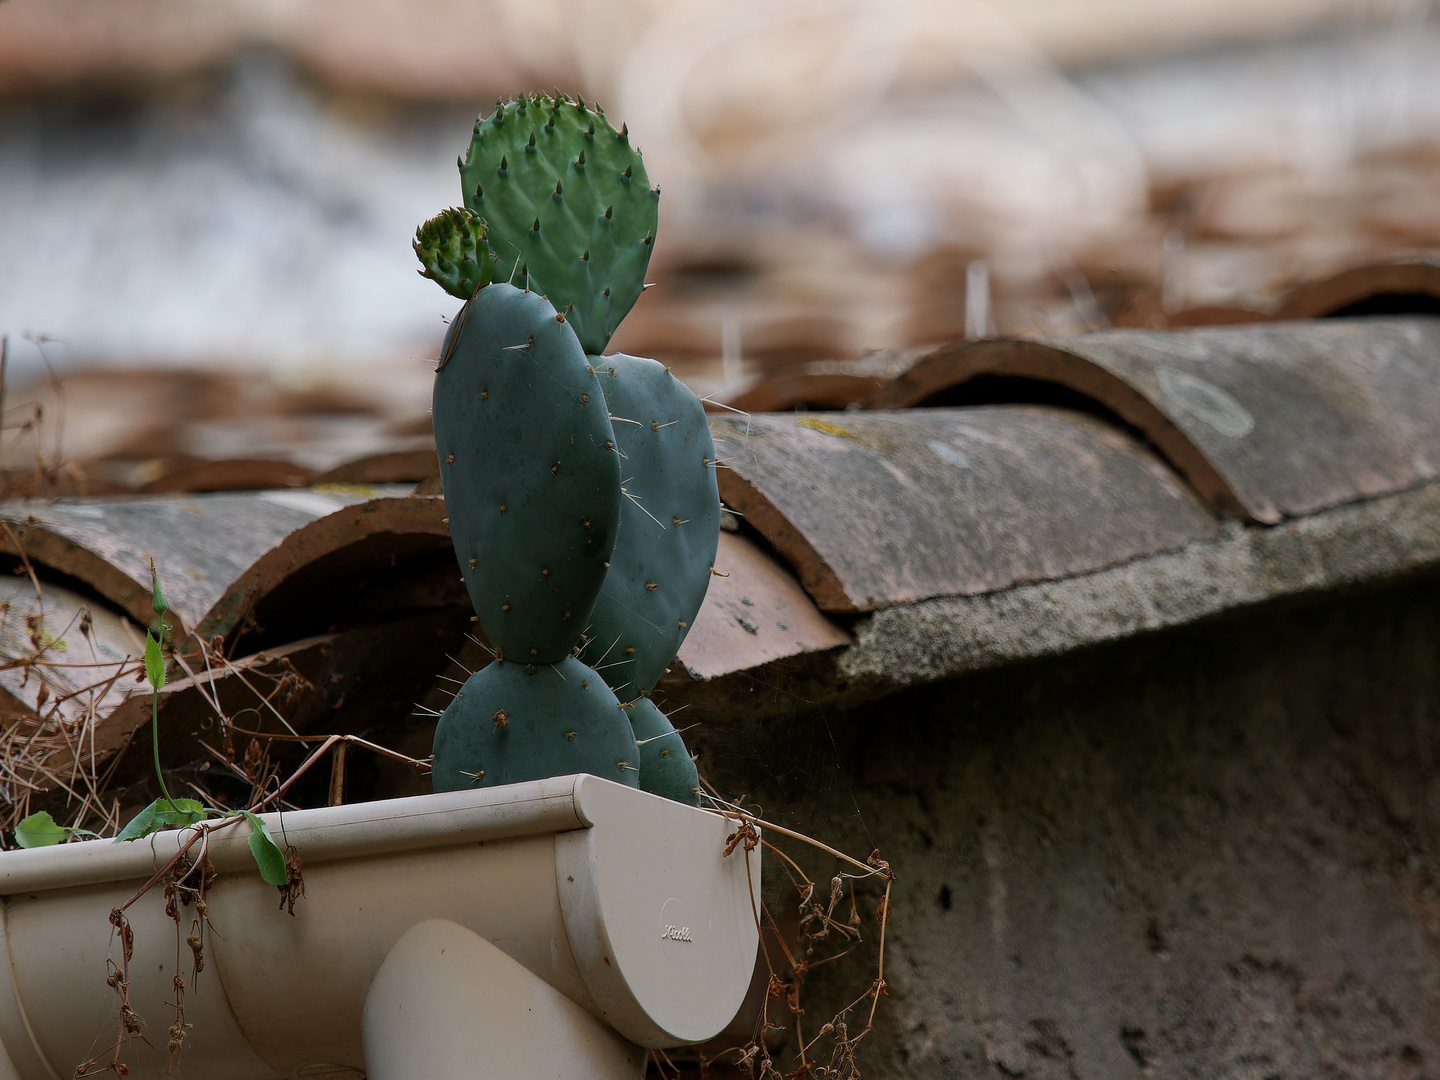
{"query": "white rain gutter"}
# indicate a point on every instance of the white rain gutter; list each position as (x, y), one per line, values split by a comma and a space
(549, 929)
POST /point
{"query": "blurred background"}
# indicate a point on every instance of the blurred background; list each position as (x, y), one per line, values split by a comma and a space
(206, 208)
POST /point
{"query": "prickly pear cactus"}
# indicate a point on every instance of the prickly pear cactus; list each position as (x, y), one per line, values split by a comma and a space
(545, 463)
(454, 252)
(568, 203)
(531, 477)
(514, 722)
(665, 765)
(669, 524)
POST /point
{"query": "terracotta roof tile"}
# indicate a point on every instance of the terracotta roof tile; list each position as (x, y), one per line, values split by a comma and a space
(754, 614)
(882, 508)
(219, 554)
(1267, 421)
(1393, 287)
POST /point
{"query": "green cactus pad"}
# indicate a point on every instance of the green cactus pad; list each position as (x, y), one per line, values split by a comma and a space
(455, 253)
(665, 765)
(567, 200)
(516, 722)
(530, 472)
(669, 524)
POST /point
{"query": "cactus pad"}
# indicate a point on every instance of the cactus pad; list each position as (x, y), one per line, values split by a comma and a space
(528, 464)
(455, 253)
(669, 524)
(567, 200)
(665, 765)
(516, 722)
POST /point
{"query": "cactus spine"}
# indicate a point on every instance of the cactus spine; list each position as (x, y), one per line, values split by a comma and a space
(580, 487)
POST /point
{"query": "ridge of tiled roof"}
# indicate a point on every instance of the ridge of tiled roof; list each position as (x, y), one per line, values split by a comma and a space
(876, 548)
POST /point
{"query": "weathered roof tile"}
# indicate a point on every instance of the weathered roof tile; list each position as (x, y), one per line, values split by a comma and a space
(881, 508)
(218, 554)
(1267, 421)
(1405, 285)
(754, 613)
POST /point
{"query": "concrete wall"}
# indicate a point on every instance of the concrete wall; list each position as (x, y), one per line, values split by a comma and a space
(1211, 852)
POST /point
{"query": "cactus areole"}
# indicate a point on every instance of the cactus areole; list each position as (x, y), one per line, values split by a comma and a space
(580, 488)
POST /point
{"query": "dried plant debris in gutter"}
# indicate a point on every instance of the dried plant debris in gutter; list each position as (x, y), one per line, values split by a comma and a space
(75, 706)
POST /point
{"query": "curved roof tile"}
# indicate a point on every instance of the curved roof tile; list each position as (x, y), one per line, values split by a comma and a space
(218, 554)
(1394, 287)
(1268, 421)
(881, 508)
(755, 612)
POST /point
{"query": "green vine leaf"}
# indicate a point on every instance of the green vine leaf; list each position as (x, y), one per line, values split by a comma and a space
(39, 830)
(142, 824)
(163, 814)
(154, 663)
(179, 812)
(268, 856)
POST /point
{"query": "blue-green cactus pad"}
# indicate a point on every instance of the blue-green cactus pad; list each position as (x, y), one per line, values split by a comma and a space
(665, 765)
(669, 524)
(530, 472)
(566, 199)
(515, 722)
